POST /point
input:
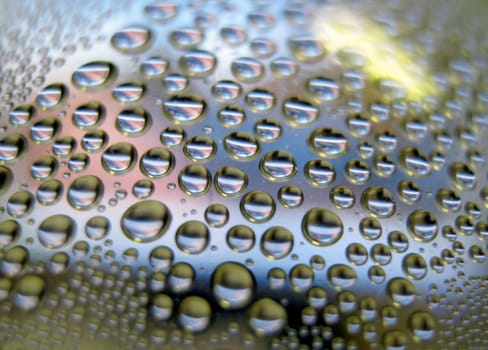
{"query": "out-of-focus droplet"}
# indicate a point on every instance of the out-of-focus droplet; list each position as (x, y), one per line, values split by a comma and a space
(131, 39)
(232, 285)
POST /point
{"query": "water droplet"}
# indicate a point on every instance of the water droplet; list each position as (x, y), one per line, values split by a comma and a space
(154, 67)
(161, 11)
(376, 275)
(87, 116)
(28, 291)
(384, 165)
(185, 38)
(162, 307)
(194, 180)
(192, 237)
(94, 141)
(283, 68)
(119, 158)
(398, 241)
(319, 172)
(422, 225)
(44, 130)
(132, 122)
(63, 146)
(414, 266)
(260, 100)
(414, 163)
(49, 192)
(50, 96)
(322, 227)
(301, 278)
(278, 166)
(145, 221)
(128, 92)
(85, 192)
(181, 109)
(357, 171)
(359, 126)
(197, 63)
(341, 276)
(277, 242)
(462, 176)
(300, 113)
(58, 262)
(55, 231)
(306, 49)
(448, 200)
(230, 181)
(21, 115)
(401, 291)
(378, 201)
(357, 254)
(194, 314)
(9, 231)
(12, 146)
(395, 340)
(91, 75)
(423, 325)
(324, 89)
(20, 204)
(161, 258)
(157, 162)
(342, 197)
(266, 316)
(258, 206)
(409, 191)
(97, 227)
(290, 196)
(226, 90)
(241, 145)
(381, 254)
(240, 238)
(200, 148)
(43, 167)
(477, 254)
(217, 215)
(131, 39)
(233, 35)
(232, 285)
(247, 69)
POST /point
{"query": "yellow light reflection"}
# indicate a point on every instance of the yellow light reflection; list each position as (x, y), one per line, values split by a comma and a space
(343, 31)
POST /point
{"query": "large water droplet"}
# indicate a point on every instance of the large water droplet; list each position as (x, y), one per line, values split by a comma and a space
(128, 92)
(50, 96)
(85, 192)
(378, 201)
(132, 122)
(192, 237)
(145, 221)
(9, 231)
(11, 147)
(266, 316)
(92, 74)
(247, 69)
(194, 314)
(240, 238)
(183, 109)
(422, 225)
(230, 181)
(232, 285)
(55, 231)
(119, 158)
(20, 204)
(194, 179)
(277, 242)
(278, 165)
(157, 162)
(322, 227)
(258, 206)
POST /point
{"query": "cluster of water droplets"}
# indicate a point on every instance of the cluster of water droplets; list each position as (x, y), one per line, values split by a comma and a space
(205, 179)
